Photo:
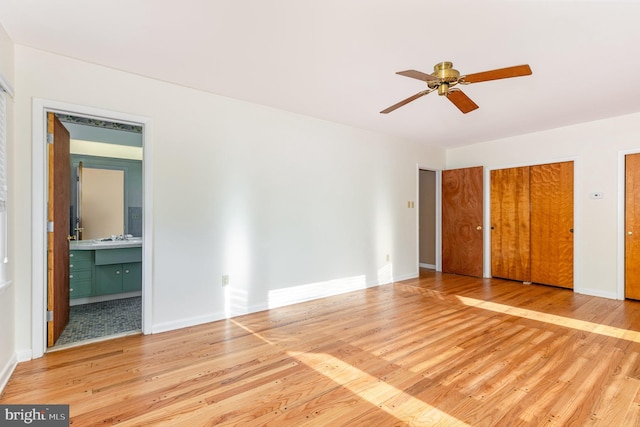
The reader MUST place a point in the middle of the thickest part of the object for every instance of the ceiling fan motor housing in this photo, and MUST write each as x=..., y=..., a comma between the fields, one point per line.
x=446, y=75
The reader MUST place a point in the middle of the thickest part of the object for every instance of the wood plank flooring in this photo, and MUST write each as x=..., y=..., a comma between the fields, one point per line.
x=438, y=350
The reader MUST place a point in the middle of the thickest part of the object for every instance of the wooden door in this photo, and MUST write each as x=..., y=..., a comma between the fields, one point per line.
x=462, y=242
x=58, y=229
x=632, y=227
x=510, y=224
x=552, y=224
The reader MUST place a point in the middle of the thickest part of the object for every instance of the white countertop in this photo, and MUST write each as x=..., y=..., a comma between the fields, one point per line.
x=91, y=245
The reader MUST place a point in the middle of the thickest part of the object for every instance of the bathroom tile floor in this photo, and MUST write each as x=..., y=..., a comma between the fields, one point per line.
x=101, y=319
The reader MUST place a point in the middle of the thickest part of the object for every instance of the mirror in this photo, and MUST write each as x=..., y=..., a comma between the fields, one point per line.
x=100, y=203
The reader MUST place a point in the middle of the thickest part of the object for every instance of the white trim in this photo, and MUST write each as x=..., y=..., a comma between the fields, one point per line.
x=5, y=285
x=5, y=86
x=596, y=293
x=24, y=355
x=486, y=223
x=429, y=266
x=7, y=370
x=185, y=323
x=39, y=213
x=438, y=219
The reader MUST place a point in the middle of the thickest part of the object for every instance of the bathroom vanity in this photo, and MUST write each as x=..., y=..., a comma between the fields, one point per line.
x=100, y=268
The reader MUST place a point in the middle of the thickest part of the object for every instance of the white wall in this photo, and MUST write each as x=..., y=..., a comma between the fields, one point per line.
x=7, y=341
x=273, y=199
x=596, y=148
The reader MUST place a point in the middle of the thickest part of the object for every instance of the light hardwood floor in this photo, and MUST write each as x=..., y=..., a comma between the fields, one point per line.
x=438, y=350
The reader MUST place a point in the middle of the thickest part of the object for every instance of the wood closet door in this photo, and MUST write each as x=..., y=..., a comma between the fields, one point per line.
x=632, y=227
x=510, y=224
x=552, y=224
x=462, y=240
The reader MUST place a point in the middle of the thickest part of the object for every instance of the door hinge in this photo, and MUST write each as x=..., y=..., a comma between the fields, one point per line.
x=49, y=226
x=49, y=138
x=49, y=316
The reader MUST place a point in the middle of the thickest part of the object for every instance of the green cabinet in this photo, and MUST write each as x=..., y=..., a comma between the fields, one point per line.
x=105, y=271
x=80, y=274
x=115, y=278
x=132, y=277
x=118, y=270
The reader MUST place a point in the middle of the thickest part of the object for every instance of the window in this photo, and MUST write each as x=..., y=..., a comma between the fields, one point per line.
x=4, y=256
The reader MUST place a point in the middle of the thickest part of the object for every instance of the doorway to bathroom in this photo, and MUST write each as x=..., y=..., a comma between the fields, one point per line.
x=429, y=219
x=95, y=229
x=105, y=233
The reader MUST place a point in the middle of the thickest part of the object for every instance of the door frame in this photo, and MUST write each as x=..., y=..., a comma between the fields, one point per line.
x=438, y=202
x=39, y=183
x=622, y=188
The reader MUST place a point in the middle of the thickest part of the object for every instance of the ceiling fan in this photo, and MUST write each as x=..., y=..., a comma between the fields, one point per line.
x=445, y=77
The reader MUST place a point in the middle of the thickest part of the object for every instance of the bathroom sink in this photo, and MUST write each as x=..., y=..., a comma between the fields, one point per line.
x=105, y=243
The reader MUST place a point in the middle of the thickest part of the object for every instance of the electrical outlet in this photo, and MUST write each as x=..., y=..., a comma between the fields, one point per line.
x=225, y=280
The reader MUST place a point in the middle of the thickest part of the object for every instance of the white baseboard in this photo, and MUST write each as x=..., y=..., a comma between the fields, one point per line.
x=430, y=266
x=6, y=372
x=406, y=277
x=185, y=323
x=283, y=297
x=596, y=293
x=24, y=355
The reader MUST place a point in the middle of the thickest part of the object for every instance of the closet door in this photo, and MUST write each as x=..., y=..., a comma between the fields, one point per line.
x=632, y=227
x=552, y=224
x=510, y=224
x=462, y=210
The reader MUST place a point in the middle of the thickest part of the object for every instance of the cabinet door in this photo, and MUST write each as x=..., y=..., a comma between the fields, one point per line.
x=510, y=224
x=108, y=279
x=132, y=276
x=79, y=288
x=552, y=224
x=80, y=284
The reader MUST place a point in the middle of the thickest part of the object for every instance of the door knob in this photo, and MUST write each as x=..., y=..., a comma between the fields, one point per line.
x=479, y=227
x=629, y=233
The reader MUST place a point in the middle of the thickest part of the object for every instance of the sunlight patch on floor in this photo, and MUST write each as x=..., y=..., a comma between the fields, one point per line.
x=372, y=389
x=581, y=325
x=409, y=409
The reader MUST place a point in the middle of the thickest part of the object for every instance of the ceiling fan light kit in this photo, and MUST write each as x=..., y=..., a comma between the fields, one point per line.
x=445, y=77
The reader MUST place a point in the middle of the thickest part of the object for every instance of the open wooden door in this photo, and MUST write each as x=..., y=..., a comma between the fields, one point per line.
x=58, y=229
x=552, y=224
x=632, y=227
x=462, y=213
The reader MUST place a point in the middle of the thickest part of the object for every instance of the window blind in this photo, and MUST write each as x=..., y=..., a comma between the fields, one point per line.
x=3, y=187
x=3, y=152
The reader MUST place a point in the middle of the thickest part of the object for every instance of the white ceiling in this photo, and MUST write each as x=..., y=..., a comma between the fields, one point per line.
x=336, y=59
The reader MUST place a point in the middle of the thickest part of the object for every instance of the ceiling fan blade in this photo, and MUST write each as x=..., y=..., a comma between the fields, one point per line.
x=501, y=73
x=405, y=101
x=417, y=75
x=462, y=101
